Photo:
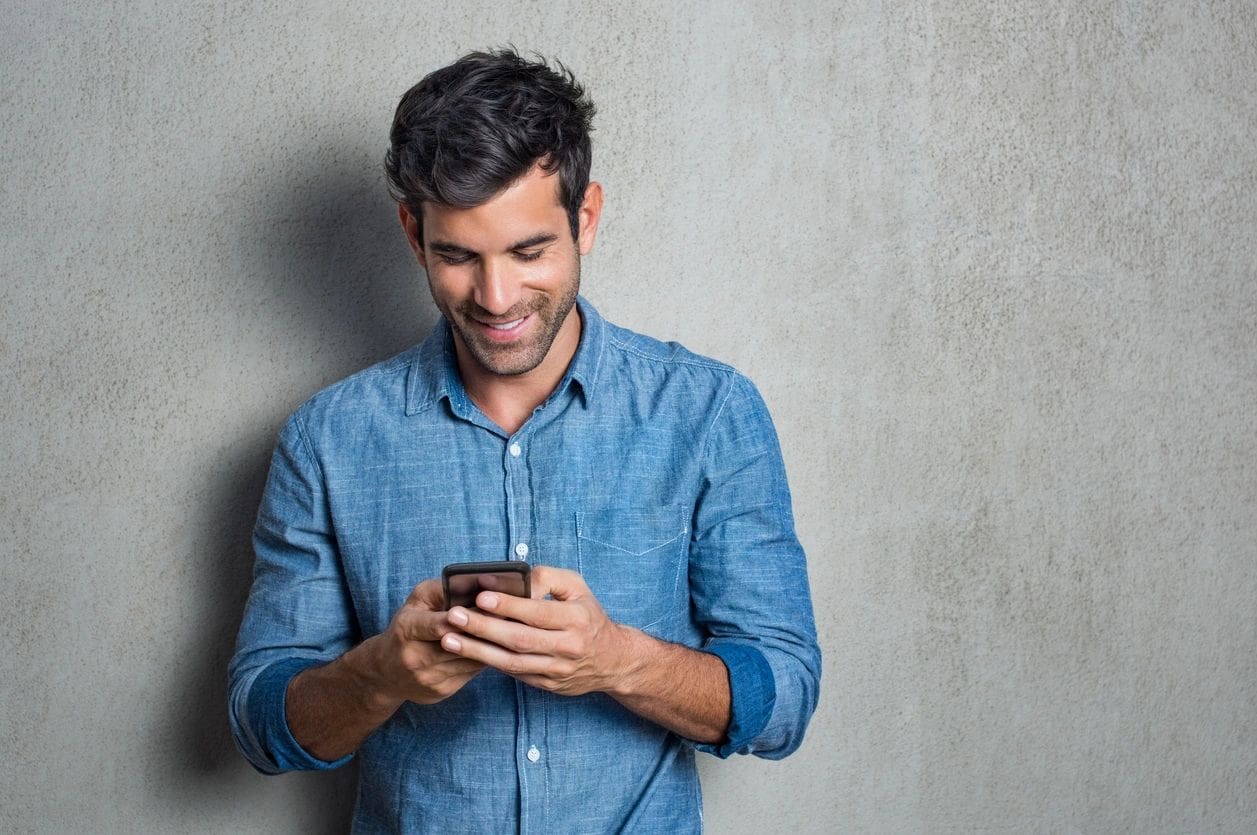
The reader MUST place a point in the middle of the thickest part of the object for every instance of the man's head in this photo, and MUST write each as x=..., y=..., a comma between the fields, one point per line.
x=468, y=130
x=490, y=166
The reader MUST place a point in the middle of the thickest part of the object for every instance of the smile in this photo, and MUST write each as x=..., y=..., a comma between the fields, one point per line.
x=505, y=332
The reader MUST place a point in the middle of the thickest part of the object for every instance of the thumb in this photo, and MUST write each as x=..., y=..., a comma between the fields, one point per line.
x=558, y=583
x=428, y=596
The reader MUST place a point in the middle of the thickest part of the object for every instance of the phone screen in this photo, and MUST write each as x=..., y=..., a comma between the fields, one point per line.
x=463, y=581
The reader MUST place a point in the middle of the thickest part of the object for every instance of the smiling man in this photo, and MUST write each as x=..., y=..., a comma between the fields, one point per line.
x=505, y=274
x=642, y=483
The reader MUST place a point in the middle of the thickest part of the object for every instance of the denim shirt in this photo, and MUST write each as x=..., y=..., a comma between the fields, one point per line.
x=652, y=471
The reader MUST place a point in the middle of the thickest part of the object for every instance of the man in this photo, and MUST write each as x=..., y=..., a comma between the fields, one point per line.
x=670, y=608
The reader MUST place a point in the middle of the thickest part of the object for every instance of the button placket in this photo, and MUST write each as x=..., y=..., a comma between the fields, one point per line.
x=520, y=499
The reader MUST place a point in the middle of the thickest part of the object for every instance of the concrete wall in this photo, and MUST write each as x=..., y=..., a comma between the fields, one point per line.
x=991, y=263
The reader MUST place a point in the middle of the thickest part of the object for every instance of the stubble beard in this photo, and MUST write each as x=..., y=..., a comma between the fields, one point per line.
x=513, y=360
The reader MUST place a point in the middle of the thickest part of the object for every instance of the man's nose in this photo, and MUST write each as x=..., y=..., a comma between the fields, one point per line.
x=497, y=288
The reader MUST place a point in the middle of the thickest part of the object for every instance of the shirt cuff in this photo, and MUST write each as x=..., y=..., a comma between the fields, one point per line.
x=752, y=694
x=267, y=699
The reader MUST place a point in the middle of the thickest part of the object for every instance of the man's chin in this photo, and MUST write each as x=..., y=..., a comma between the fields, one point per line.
x=503, y=361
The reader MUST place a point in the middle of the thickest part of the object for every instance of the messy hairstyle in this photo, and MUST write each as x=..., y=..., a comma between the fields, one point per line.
x=469, y=130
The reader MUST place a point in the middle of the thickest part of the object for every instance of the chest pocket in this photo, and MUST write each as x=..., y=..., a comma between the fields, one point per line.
x=633, y=559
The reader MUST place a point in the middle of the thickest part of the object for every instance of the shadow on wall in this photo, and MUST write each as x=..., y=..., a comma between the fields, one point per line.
x=341, y=291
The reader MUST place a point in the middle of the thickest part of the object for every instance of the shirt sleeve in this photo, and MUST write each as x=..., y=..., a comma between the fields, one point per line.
x=748, y=582
x=298, y=613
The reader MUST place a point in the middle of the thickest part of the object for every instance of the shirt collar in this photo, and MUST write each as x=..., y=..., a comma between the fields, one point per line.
x=434, y=369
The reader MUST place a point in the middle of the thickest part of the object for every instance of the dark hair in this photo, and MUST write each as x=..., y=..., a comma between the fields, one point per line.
x=469, y=130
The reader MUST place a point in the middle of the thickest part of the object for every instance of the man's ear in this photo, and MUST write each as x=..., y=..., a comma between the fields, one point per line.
x=410, y=225
x=589, y=214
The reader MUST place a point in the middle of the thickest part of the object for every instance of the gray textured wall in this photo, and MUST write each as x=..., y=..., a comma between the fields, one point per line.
x=991, y=263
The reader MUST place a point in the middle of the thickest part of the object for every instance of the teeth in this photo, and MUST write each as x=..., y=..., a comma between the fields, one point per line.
x=505, y=326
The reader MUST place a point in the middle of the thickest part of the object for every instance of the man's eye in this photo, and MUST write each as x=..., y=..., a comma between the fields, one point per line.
x=455, y=260
x=529, y=256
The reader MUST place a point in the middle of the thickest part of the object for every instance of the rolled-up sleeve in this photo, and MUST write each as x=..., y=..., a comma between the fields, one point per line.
x=748, y=581
x=298, y=613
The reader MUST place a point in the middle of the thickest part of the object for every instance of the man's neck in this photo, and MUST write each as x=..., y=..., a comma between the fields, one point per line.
x=510, y=400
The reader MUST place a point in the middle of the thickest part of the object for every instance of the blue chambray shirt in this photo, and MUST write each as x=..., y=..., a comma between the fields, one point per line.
x=652, y=471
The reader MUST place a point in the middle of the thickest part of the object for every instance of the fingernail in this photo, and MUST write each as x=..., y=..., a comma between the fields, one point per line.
x=458, y=617
x=487, y=601
x=451, y=643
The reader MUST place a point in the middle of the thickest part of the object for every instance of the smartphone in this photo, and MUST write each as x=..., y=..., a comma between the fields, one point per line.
x=462, y=581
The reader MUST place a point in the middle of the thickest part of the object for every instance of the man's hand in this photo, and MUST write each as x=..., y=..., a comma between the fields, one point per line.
x=405, y=662
x=333, y=708
x=568, y=645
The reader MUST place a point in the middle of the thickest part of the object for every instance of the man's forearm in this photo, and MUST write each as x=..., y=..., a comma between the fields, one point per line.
x=332, y=709
x=682, y=689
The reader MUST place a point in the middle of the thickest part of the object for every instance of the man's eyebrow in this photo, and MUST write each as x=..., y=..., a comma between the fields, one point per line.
x=449, y=248
x=535, y=240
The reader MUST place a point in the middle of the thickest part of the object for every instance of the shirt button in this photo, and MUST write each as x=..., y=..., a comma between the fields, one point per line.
x=515, y=450
x=533, y=754
x=521, y=550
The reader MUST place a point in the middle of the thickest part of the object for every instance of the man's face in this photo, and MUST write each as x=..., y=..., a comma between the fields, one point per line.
x=506, y=274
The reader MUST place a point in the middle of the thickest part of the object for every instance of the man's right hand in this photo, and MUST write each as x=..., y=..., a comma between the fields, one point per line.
x=405, y=662
x=331, y=709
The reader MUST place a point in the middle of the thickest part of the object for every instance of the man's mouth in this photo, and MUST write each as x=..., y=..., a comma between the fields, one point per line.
x=504, y=331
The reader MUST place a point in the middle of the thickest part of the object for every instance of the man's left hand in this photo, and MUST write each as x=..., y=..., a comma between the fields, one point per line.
x=565, y=645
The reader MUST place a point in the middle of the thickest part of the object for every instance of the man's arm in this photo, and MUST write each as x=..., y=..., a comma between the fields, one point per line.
x=568, y=645
x=748, y=580
x=304, y=689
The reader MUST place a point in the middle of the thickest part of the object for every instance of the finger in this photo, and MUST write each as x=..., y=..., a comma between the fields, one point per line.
x=517, y=637
x=541, y=614
x=424, y=657
x=544, y=682
x=497, y=657
x=436, y=683
x=420, y=625
x=559, y=583
x=456, y=665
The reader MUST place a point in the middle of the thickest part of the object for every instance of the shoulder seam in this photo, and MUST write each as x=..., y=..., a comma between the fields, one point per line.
x=309, y=448
x=714, y=365
x=711, y=427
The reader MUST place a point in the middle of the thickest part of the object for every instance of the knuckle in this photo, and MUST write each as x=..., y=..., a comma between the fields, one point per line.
x=528, y=642
x=411, y=656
